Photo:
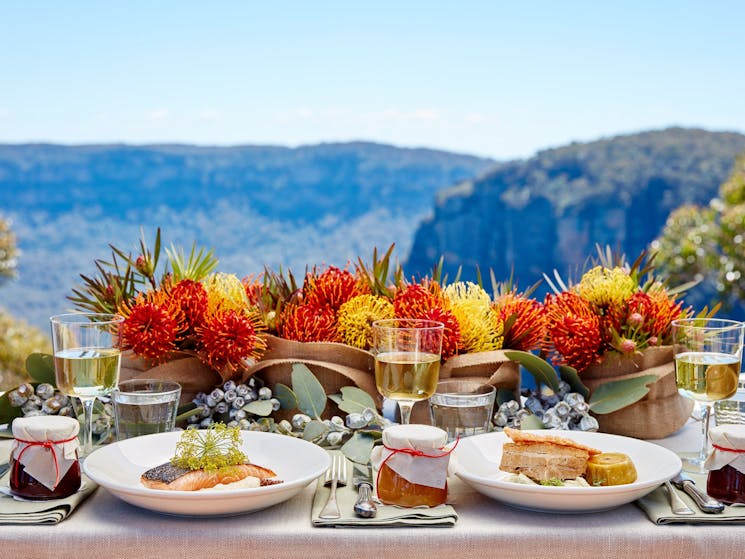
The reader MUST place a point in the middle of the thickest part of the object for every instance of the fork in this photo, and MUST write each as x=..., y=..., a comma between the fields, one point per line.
x=336, y=475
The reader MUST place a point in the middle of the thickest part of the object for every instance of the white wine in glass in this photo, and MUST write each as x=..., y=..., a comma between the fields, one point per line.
x=407, y=360
x=87, y=360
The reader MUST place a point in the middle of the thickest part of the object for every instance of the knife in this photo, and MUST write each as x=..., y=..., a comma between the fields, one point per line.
x=362, y=480
x=705, y=502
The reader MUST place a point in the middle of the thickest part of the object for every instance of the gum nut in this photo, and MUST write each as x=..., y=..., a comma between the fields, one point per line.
x=589, y=423
x=51, y=406
x=238, y=403
x=551, y=412
x=206, y=422
x=62, y=398
x=522, y=413
x=221, y=407
x=369, y=415
x=217, y=395
x=533, y=404
x=232, y=424
x=16, y=399
x=36, y=400
x=564, y=387
x=552, y=400
x=500, y=419
x=338, y=421
x=66, y=411
x=582, y=408
x=28, y=406
x=511, y=407
x=356, y=421
x=240, y=414
x=252, y=382
x=245, y=424
x=33, y=413
x=265, y=393
x=230, y=396
x=552, y=422
x=190, y=419
x=205, y=411
x=242, y=390
x=563, y=409
x=538, y=414
x=300, y=420
x=231, y=413
x=276, y=404
x=229, y=386
x=25, y=390
x=211, y=402
x=574, y=398
x=45, y=390
x=334, y=438
x=285, y=426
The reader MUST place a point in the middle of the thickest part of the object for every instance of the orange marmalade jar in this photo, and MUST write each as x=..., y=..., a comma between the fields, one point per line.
x=413, y=466
x=44, y=457
x=726, y=464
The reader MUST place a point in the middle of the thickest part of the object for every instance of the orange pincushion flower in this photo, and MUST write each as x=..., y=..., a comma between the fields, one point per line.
x=414, y=299
x=528, y=326
x=574, y=330
x=309, y=323
x=191, y=297
x=332, y=288
x=451, y=337
x=664, y=310
x=150, y=330
x=228, y=337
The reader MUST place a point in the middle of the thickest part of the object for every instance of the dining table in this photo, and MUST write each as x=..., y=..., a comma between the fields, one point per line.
x=104, y=526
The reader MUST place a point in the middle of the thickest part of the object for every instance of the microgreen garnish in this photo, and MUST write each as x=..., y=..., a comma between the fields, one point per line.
x=554, y=481
x=209, y=449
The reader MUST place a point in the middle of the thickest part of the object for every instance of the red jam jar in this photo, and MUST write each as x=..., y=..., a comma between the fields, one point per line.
x=726, y=464
x=412, y=466
x=44, y=457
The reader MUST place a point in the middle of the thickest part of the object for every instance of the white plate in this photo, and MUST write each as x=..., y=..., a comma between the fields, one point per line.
x=118, y=467
x=477, y=461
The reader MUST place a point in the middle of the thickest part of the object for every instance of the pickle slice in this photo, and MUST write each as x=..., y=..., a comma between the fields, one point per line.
x=610, y=468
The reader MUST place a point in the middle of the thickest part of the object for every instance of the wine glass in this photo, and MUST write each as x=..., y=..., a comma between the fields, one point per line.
x=708, y=355
x=407, y=360
x=86, y=360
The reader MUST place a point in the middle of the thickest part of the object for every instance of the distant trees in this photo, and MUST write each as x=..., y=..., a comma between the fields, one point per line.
x=708, y=244
x=17, y=338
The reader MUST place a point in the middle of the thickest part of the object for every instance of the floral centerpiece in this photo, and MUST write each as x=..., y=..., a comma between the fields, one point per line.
x=611, y=334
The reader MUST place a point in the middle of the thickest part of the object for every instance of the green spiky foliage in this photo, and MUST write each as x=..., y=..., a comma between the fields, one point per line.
x=379, y=276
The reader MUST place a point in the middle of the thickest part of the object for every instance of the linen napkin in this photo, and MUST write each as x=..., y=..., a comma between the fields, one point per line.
x=53, y=511
x=656, y=505
x=388, y=515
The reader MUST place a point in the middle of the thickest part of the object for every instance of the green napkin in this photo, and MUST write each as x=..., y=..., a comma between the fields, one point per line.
x=388, y=515
x=657, y=507
x=54, y=511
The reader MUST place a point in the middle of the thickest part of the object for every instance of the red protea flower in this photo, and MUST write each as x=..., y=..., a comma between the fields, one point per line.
x=574, y=331
x=664, y=309
x=640, y=311
x=191, y=297
x=308, y=323
x=254, y=289
x=332, y=288
x=451, y=333
x=229, y=337
x=414, y=299
x=528, y=321
x=150, y=330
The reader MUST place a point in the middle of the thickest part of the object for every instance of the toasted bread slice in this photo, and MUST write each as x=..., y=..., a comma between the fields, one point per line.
x=525, y=437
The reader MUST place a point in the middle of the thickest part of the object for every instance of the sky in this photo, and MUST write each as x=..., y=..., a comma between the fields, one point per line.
x=493, y=78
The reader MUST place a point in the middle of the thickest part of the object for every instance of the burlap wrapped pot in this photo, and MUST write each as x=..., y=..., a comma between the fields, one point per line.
x=660, y=413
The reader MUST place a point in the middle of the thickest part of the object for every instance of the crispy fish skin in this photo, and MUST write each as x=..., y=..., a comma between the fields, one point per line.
x=167, y=476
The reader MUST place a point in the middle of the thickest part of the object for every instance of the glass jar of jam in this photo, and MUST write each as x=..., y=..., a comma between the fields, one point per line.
x=726, y=464
x=413, y=466
x=44, y=457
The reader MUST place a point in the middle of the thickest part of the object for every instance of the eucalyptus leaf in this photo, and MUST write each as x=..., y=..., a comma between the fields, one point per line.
x=571, y=377
x=285, y=395
x=359, y=448
x=311, y=397
x=615, y=395
x=531, y=422
x=7, y=412
x=355, y=400
x=541, y=370
x=336, y=398
x=314, y=430
x=40, y=367
x=262, y=408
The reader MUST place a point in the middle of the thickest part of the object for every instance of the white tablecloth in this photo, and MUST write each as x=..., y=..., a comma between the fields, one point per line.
x=107, y=527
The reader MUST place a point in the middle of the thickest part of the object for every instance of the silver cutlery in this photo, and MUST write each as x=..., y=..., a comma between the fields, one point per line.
x=336, y=476
x=362, y=480
x=676, y=503
x=705, y=502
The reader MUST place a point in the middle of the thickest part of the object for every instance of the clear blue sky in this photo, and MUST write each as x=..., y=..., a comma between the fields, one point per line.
x=501, y=79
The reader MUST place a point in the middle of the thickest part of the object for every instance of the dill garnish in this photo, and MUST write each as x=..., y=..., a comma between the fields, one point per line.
x=209, y=449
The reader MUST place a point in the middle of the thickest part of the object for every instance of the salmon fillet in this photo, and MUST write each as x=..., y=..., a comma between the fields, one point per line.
x=168, y=476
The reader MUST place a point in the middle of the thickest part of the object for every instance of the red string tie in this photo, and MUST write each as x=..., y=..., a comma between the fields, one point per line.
x=49, y=445
x=726, y=449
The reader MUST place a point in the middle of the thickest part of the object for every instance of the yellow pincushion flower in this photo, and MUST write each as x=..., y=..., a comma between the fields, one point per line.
x=480, y=328
x=356, y=316
x=606, y=287
x=225, y=291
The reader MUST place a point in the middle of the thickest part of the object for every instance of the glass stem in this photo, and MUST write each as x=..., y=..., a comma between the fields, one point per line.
x=87, y=425
x=404, y=407
x=705, y=416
